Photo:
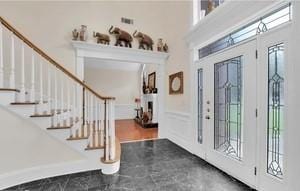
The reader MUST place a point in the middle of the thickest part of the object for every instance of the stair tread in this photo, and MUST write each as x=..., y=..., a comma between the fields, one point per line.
x=24, y=103
x=59, y=127
x=9, y=89
x=94, y=148
x=76, y=138
x=42, y=115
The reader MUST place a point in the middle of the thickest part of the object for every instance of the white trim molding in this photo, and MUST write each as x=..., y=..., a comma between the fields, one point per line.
x=179, y=129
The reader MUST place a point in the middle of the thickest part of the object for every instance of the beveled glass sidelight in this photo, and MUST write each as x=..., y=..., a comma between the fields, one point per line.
x=200, y=106
x=228, y=107
x=275, y=118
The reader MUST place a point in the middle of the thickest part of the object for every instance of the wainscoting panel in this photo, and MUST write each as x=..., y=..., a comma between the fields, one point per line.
x=178, y=128
x=125, y=111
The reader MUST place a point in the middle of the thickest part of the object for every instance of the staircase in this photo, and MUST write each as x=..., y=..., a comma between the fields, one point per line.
x=40, y=90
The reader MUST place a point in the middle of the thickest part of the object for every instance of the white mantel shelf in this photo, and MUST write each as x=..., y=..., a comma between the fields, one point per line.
x=111, y=52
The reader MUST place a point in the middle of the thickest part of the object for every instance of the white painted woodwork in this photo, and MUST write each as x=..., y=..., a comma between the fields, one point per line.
x=55, y=101
x=106, y=131
x=21, y=97
x=62, y=113
x=112, y=137
x=32, y=86
x=68, y=116
x=151, y=98
x=41, y=80
x=12, y=83
x=1, y=58
x=86, y=114
x=49, y=88
x=101, y=121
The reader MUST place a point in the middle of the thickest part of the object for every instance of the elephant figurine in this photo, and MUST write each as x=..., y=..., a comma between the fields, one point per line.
x=121, y=36
x=143, y=40
x=101, y=38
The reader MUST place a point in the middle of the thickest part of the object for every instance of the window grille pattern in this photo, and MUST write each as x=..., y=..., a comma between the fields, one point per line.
x=200, y=106
x=275, y=110
x=228, y=107
x=276, y=18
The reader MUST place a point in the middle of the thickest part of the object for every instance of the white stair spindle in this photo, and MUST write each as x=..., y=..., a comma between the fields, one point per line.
x=32, y=87
x=12, y=83
x=86, y=115
x=62, y=100
x=49, y=89
x=96, y=123
x=74, y=113
x=1, y=58
x=22, y=84
x=55, y=102
x=41, y=100
x=112, y=130
x=68, y=120
x=106, y=131
x=101, y=114
x=91, y=114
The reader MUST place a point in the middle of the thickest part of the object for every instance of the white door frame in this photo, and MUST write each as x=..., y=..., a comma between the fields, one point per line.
x=130, y=55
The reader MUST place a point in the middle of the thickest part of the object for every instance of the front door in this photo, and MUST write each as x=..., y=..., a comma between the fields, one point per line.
x=227, y=110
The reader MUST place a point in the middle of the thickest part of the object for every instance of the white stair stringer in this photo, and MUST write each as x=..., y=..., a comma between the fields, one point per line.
x=92, y=157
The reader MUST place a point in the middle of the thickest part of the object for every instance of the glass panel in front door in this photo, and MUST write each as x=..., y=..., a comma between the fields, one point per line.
x=228, y=107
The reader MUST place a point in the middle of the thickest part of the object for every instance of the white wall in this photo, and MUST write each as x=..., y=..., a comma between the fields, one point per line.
x=49, y=25
x=123, y=85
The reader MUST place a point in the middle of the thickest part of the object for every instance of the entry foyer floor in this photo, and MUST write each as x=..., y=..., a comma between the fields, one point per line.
x=158, y=165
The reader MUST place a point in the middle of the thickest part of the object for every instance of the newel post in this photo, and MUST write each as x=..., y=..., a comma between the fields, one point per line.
x=112, y=136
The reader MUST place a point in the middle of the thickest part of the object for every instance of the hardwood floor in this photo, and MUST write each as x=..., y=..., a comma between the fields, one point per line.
x=127, y=130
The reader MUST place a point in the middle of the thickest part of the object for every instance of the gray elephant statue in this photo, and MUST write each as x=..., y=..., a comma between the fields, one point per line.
x=101, y=38
x=121, y=36
x=144, y=40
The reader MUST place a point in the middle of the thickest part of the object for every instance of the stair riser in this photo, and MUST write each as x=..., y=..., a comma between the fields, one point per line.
x=6, y=98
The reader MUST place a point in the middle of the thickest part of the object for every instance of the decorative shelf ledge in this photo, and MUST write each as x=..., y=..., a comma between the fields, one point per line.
x=110, y=52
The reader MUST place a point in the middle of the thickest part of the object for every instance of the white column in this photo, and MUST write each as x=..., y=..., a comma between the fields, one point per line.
x=12, y=83
x=49, y=89
x=112, y=129
x=1, y=58
x=32, y=87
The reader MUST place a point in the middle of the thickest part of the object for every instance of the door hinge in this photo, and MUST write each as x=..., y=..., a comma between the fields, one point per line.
x=256, y=113
x=255, y=171
x=256, y=54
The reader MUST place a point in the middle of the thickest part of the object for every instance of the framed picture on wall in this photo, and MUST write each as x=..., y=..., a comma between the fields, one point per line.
x=176, y=83
x=151, y=80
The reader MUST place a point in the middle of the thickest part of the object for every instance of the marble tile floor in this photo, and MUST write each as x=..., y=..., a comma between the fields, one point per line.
x=158, y=165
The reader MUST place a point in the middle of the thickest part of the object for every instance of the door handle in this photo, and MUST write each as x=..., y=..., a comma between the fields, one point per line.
x=207, y=117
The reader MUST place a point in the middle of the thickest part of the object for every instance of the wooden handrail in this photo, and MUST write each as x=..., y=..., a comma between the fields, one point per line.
x=52, y=61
